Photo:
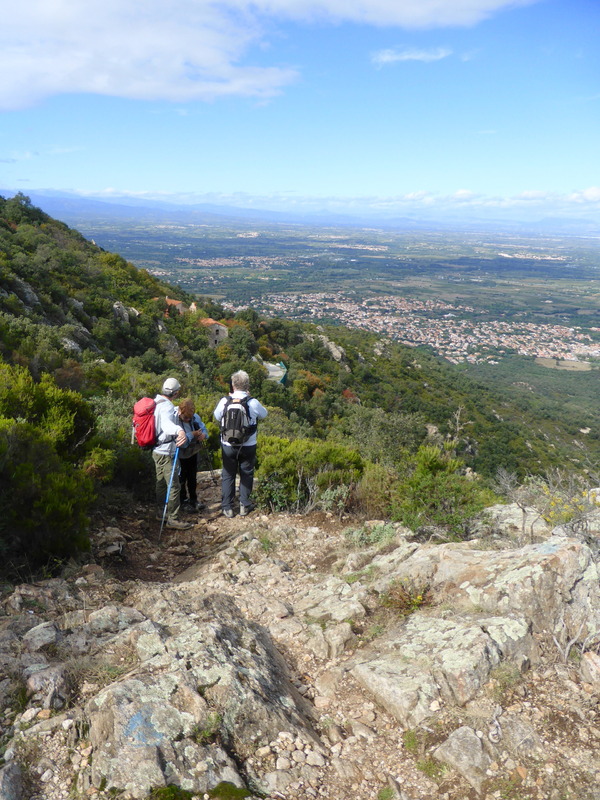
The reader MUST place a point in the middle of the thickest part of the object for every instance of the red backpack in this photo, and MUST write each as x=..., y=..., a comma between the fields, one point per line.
x=144, y=426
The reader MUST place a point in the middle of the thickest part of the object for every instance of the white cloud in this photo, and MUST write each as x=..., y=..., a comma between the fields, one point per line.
x=182, y=51
x=590, y=195
x=384, y=57
x=403, y=13
x=464, y=195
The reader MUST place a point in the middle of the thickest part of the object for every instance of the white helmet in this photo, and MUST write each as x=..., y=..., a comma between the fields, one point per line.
x=170, y=386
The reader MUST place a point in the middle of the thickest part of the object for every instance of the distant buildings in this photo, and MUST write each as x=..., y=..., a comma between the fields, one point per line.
x=452, y=331
x=217, y=332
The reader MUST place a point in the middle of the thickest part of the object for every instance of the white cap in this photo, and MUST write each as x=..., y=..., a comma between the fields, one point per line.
x=170, y=386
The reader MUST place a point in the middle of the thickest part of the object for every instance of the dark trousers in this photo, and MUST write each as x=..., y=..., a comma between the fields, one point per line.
x=237, y=460
x=188, y=468
x=164, y=473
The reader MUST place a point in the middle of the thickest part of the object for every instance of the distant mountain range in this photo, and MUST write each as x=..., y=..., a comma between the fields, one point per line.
x=77, y=211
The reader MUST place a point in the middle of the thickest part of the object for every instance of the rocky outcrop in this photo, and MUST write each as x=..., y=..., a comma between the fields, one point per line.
x=259, y=668
x=427, y=659
x=335, y=350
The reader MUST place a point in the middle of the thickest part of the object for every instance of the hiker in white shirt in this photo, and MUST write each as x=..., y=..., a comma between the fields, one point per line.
x=240, y=458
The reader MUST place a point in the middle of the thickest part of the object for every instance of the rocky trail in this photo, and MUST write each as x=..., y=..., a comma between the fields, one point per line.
x=294, y=657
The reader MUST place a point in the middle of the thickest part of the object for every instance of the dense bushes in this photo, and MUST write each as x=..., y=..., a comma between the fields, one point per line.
x=44, y=499
x=431, y=490
x=295, y=475
x=44, y=492
x=438, y=494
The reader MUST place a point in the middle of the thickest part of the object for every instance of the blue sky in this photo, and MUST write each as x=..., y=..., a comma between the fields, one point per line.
x=403, y=106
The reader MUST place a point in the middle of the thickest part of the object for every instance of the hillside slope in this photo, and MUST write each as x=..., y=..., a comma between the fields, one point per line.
x=83, y=334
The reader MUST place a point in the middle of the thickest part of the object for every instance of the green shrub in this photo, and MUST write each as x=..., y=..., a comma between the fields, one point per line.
x=62, y=416
x=208, y=731
x=336, y=499
x=99, y=464
x=113, y=457
x=432, y=769
x=406, y=596
x=44, y=499
x=294, y=475
x=368, y=535
x=437, y=494
x=376, y=489
x=228, y=791
x=384, y=437
x=170, y=792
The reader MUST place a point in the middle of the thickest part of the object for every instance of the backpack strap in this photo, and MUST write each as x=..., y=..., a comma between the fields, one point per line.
x=253, y=426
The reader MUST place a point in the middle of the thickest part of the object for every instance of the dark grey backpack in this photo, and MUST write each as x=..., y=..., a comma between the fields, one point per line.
x=236, y=425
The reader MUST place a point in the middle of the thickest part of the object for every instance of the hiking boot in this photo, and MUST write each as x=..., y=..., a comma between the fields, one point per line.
x=177, y=524
x=245, y=510
x=227, y=512
x=200, y=506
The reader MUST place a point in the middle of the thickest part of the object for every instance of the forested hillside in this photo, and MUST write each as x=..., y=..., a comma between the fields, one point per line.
x=361, y=423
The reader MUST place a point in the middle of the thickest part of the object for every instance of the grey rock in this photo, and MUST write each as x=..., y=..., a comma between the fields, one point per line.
x=406, y=694
x=200, y=654
x=333, y=600
x=120, y=311
x=315, y=759
x=554, y=584
x=113, y=618
x=464, y=752
x=48, y=686
x=11, y=782
x=589, y=669
x=425, y=658
x=25, y=292
x=512, y=520
x=360, y=730
x=70, y=345
x=41, y=636
x=347, y=770
x=519, y=738
x=327, y=682
x=276, y=781
x=6, y=690
x=337, y=637
x=316, y=642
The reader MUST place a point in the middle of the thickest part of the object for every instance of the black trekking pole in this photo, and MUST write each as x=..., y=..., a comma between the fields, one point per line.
x=168, y=494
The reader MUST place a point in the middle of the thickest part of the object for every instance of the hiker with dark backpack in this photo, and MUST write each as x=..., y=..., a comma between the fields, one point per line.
x=170, y=437
x=238, y=416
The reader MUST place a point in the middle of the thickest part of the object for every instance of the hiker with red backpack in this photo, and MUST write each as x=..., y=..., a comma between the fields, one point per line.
x=170, y=436
x=238, y=415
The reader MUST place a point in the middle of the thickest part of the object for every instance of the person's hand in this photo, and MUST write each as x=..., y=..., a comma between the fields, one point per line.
x=199, y=436
x=181, y=438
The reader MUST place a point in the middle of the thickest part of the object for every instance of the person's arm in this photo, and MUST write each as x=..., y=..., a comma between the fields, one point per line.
x=257, y=409
x=202, y=427
x=169, y=430
x=218, y=412
x=189, y=435
x=201, y=433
